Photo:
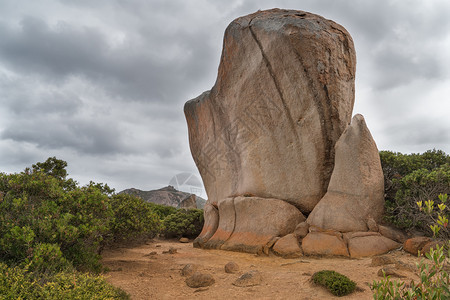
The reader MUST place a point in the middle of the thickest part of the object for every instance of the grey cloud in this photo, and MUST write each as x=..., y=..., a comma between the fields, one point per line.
x=128, y=71
x=85, y=136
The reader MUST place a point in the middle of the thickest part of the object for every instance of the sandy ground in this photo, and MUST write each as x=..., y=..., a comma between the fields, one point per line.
x=158, y=276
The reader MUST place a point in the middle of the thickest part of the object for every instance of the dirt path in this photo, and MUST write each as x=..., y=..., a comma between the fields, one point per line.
x=158, y=276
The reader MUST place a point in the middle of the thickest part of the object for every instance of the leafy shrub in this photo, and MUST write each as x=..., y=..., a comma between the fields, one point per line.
x=19, y=283
x=336, y=283
x=162, y=210
x=187, y=223
x=37, y=208
x=410, y=178
x=132, y=219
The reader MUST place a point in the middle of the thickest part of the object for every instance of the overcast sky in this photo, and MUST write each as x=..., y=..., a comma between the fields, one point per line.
x=101, y=84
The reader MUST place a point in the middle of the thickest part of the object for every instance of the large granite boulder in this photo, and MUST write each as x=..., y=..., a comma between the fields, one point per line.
x=283, y=96
x=274, y=141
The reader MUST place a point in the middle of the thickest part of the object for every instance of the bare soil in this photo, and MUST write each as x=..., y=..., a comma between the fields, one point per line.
x=158, y=276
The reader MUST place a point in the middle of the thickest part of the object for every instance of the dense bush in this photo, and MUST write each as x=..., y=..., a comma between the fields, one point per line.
x=18, y=283
x=162, y=210
x=410, y=178
x=187, y=223
x=132, y=219
x=336, y=283
x=38, y=209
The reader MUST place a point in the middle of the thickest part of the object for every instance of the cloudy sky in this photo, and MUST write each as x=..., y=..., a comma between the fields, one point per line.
x=102, y=84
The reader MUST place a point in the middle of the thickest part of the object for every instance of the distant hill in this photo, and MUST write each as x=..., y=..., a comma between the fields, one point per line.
x=168, y=196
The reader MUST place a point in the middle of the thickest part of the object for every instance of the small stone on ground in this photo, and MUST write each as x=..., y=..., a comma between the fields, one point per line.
x=250, y=278
x=198, y=280
x=231, y=267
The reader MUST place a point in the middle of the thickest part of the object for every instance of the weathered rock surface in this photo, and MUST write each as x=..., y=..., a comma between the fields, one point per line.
x=318, y=243
x=415, y=244
x=370, y=245
x=356, y=190
x=211, y=216
x=283, y=96
x=288, y=247
x=249, y=223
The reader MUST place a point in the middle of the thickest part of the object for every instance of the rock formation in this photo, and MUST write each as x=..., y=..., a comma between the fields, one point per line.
x=274, y=140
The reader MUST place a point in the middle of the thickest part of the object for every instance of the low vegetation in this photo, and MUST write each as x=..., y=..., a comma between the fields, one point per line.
x=336, y=283
x=52, y=232
x=413, y=178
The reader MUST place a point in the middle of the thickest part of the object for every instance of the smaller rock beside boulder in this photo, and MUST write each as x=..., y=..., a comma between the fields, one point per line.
x=200, y=280
x=183, y=240
x=415, y=244
x=231, y=267
x=288, y=247
x=370, y=245
x=250, y=278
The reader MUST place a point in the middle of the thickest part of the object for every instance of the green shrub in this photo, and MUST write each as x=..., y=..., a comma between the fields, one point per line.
x=410, y=178
x=187, y=223
x=132, y=219
x=162, y=210
x=336, y=283
x=19, y=283
x=37, y=208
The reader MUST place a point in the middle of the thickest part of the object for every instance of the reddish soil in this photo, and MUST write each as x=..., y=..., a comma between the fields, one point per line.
x=158, y=276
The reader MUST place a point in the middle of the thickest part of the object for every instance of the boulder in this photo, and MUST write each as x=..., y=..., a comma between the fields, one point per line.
x=183, y=240
x=391, y=233
x=288, y=247
x=283, y=96
x=319, y=243
x=231, y=267
x=415, y=244
x=247, y=279
x=370, y=245
x=200, y=280
x=257, y=222
x=274, y=140
x=356, y=190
